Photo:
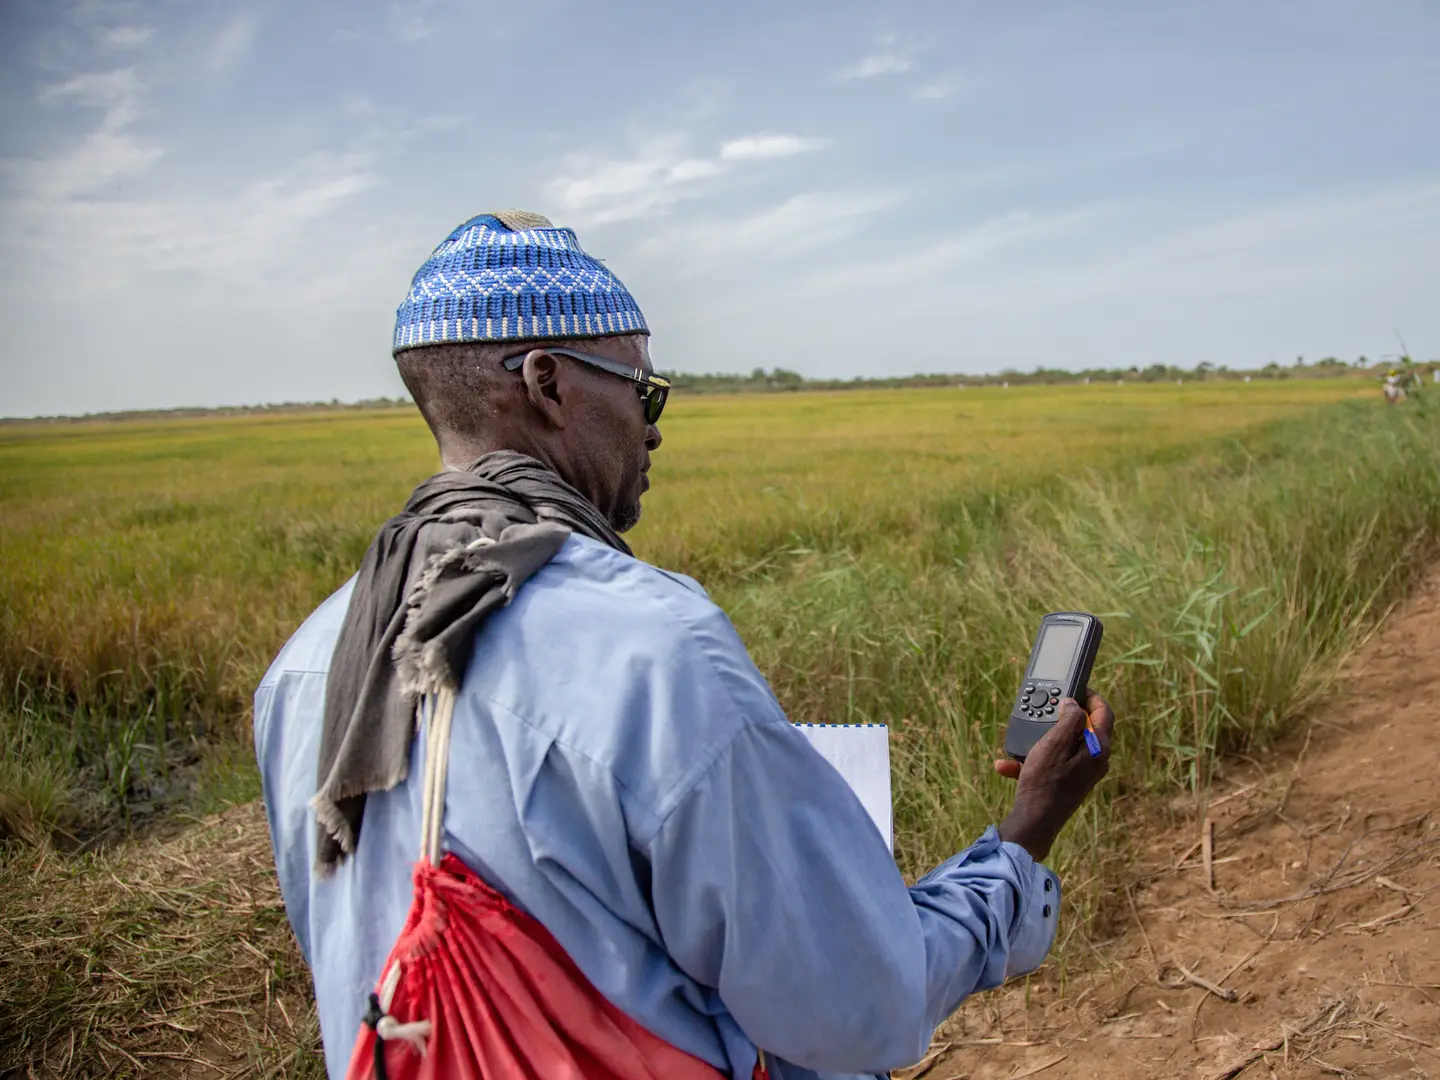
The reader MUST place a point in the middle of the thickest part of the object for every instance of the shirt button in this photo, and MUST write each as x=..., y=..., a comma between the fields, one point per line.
x=1046, y=912
x=1049, y=884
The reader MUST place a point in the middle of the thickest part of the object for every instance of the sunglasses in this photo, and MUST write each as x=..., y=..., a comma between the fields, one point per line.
x=653, y=389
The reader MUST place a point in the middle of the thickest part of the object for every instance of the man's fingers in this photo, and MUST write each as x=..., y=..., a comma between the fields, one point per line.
x=1061, y=741
x=1070, y=721
x=1008, y=767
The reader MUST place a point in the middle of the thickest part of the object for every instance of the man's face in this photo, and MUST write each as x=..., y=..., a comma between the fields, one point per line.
x=611, y=442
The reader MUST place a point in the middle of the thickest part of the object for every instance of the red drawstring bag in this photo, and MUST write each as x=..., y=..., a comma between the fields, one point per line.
x=476, y=989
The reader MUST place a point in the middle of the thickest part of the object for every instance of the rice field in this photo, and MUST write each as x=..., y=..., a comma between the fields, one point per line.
x=886, y=556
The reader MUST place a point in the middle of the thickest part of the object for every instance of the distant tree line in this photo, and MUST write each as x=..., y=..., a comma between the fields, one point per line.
x=188, y=411
x=782, y=379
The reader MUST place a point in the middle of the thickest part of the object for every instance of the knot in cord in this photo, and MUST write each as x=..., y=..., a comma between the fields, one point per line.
x=373, y=1016
x=386, y=1028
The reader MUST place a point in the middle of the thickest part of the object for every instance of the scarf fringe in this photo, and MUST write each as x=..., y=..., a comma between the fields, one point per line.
x=421, y=666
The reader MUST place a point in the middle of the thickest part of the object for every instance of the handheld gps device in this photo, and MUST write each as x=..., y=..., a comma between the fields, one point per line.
x=1060, y=663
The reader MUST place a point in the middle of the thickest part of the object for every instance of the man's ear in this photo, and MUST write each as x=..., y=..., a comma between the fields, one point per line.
x=544, y=385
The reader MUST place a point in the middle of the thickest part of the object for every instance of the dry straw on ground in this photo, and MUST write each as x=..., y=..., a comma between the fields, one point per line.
x=163, y=958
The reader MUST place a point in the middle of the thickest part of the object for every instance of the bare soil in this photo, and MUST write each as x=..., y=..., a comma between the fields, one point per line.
x=1310, y=944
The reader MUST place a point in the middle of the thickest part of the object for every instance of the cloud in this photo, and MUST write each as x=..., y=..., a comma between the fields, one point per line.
x=109, y=153
x=657, y=176
x=1023, y=277
x=72, y=199
x=760, y=147
x=101, y=158
x=660, y=174
x=970, y=247
x=125, y=37
x=410, y=19
x=939, y=89
x=232, y=45
x=887, y=59
x=163, y=264
x=249, y=240
x=111, y=90
x=1285, y=245
x=438, y=122
x=796, y=225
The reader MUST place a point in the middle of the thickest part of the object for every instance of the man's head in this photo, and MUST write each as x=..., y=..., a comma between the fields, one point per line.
x=511, y=287
x=587, y=424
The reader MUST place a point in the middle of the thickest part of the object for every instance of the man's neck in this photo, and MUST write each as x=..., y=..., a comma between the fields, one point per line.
x=457, y=455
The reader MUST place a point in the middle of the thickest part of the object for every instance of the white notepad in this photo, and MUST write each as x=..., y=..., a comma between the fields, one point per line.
x=860, y=753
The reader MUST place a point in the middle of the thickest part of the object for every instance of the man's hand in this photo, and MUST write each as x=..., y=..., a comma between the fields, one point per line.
x=1056, y=775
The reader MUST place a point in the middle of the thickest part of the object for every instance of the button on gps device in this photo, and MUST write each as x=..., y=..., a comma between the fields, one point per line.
x=1060, y=663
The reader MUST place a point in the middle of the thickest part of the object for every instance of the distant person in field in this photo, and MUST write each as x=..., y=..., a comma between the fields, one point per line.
x=617, y=769
x=1394, y=391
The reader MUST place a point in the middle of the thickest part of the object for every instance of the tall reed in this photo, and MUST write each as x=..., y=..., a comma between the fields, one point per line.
x=1231, y=584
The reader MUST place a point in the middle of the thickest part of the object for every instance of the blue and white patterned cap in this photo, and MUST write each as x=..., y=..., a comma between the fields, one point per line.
x=510, y=276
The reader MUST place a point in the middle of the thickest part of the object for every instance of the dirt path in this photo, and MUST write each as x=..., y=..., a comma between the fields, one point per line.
x=1320, y=938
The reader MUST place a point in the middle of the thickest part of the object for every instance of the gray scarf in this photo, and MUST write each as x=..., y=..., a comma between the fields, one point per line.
x=463, y=545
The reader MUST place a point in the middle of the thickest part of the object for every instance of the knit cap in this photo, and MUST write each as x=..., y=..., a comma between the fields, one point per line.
x=509, y=276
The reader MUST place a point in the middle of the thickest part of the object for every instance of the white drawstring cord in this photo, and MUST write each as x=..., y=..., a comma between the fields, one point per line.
x=438, y=712
x=434, y=712
x=386, y=992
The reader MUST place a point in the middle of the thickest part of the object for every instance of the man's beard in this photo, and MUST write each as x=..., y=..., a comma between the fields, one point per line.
x=626, y=516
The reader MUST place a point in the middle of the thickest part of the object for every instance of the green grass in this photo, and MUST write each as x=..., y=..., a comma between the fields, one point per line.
x=1232, y=578
x=885, y=555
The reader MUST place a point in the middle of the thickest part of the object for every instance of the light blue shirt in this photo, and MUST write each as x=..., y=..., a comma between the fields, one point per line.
x=621, y=771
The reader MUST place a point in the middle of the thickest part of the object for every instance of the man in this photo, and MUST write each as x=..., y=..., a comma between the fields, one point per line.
x=1393, y=388
x=619, y=770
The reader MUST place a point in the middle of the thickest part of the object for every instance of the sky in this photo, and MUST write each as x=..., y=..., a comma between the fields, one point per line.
x=211, y=204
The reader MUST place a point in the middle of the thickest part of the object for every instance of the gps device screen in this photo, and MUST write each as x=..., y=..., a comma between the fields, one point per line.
x=1057, y=648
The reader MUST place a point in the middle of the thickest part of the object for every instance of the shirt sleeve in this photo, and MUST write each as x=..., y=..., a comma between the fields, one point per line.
x=772, y=884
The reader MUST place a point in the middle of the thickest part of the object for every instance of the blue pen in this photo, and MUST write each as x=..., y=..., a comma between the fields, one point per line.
x=1092, y=741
